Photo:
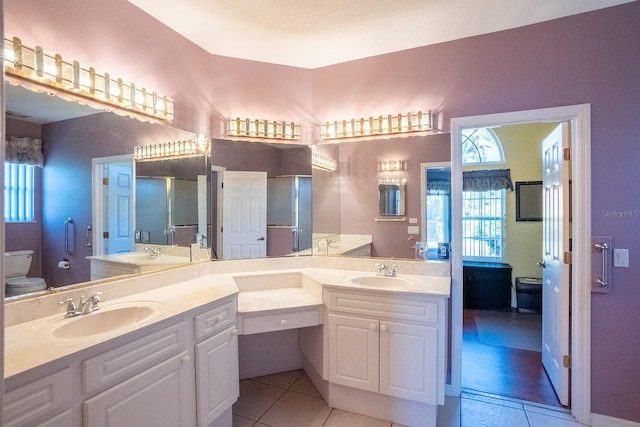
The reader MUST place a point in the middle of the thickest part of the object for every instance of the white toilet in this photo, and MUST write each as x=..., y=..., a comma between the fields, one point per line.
x=16, y=266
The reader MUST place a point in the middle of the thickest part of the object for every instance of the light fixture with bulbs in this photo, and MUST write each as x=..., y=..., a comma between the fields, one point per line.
x=322, y=162
x=391, y=124
x=174, y=149
x=392, y=165
x=44, y=72
x=262, y=129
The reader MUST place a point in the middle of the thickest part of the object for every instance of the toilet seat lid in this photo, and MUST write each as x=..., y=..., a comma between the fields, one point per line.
x=25, y=282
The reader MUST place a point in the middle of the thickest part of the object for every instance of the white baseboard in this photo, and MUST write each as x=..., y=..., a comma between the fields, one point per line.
x=598, y=420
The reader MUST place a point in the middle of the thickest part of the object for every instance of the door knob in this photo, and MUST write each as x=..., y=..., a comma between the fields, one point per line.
x=261, y=238
x=541, y=264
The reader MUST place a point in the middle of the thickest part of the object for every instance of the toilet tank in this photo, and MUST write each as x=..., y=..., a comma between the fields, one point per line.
x=17, y=263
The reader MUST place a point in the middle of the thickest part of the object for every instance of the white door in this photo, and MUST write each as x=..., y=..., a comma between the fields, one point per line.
x=555, y=273
x=244, y=214
x=120, y=205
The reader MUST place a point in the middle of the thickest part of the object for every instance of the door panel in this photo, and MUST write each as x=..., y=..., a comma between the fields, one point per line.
x=120, y=209
x=244, y=216
x=555, y=274
x=353, y=352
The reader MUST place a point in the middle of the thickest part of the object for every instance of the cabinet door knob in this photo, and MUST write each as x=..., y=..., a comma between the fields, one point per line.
x=373, y=326
x=185, y=359
x=383, y=328
x=234, y=332
x=220, y=319
x=283, y=323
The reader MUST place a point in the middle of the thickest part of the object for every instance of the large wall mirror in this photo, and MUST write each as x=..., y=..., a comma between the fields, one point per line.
x=74, y=135
x=350, y=218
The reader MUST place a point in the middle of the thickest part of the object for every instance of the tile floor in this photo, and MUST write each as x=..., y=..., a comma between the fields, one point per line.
x=290, y=400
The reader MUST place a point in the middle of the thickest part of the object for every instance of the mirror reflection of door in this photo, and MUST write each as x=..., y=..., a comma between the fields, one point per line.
x=437, y=211
x=244, y=216
x=120, y=205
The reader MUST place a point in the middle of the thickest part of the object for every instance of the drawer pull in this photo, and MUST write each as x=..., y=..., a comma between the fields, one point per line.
x=283, y=322
x=234, y=332
x=220, y=319
x=373, y=326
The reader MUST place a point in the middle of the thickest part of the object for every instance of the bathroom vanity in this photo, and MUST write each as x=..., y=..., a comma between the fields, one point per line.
x=172, y=357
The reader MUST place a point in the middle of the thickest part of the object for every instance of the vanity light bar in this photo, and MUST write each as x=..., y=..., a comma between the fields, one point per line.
x=392, y=181
x=35, y=69
x=375, y=126
x=392, y=166
x=319, y=161
x=262, y=129
x=173, y=149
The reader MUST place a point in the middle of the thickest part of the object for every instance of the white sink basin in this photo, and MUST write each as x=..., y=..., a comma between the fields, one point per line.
x=106, y=319
x=381, y=281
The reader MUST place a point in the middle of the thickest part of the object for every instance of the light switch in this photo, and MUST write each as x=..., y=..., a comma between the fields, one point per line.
x=413, y=220
x=621, y=257
x=413, y=229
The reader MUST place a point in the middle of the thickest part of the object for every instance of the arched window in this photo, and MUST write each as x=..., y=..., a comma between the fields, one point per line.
x=483, y=211
x=481, y=145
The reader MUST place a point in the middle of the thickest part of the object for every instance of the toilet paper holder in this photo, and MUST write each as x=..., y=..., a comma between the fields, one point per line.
x=64, y=264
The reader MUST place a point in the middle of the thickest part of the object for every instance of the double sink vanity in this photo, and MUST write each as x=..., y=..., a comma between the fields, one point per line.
x=162, y=349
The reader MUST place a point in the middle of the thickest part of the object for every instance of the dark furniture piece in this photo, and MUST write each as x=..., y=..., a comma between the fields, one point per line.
x=486, y=285
x=529, y=294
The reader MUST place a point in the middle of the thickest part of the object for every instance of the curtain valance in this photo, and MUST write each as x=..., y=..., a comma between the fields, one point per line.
x=24, y=150
x=487, y=180
x=438, y=187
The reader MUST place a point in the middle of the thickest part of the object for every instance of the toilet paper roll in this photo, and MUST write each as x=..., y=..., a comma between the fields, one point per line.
x=63, y=265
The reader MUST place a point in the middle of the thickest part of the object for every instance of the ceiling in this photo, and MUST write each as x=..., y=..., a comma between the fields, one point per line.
x=317, y=33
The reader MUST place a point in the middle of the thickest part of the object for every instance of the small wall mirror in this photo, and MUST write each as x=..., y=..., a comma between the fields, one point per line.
x=391, y=196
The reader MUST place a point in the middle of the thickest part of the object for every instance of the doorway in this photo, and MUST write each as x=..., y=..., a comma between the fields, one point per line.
x=579, y=118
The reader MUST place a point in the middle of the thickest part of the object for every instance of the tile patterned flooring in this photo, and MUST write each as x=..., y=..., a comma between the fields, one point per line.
x=289, y=399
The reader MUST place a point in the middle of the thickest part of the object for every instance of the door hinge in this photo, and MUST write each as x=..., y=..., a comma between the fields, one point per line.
x=221, y=229
x=566, y=154
x=105, y=234
x=105, y=181
x=566, y=361
x=568, y=258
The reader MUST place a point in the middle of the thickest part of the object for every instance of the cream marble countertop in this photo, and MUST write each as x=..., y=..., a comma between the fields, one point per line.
x=31, y=343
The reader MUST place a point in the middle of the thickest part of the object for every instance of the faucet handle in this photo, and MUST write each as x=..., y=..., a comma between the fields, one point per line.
x=95, y=297
x=380, y=268
x=393, y=272
x=72, y=308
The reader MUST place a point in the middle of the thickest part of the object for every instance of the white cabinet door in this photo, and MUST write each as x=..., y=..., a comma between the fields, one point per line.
x=409, y=361
x=353, y=352
x=161, y=396
x=217, y=377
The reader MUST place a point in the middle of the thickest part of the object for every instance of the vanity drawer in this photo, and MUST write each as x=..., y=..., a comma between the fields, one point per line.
x=36, y=400
x=257, y=323
x=121, y=363
x=412, y=309
x=215, y=320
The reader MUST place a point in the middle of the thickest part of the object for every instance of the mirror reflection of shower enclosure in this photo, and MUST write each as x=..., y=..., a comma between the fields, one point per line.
x=391, y=196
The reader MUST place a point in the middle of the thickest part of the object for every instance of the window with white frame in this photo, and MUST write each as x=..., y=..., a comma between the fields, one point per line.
x=483, y=204
x=18, y=192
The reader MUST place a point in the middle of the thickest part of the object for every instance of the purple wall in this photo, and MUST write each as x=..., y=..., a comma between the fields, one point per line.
x=589, y=58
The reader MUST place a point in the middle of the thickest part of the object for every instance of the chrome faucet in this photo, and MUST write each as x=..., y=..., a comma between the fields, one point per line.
x=84, y=307
x=155, y=253
x=385, y=270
